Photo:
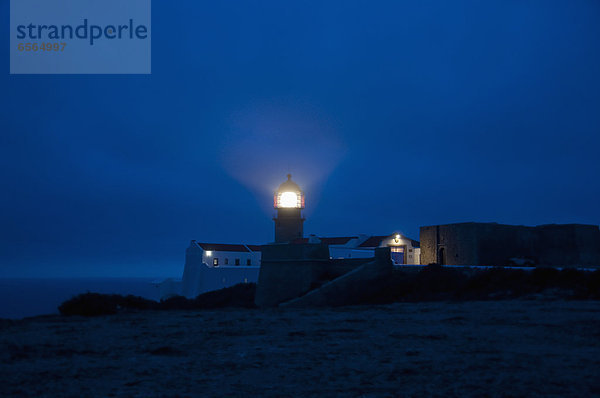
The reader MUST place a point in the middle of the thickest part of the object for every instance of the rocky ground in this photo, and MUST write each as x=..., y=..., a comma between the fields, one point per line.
x=497, y=348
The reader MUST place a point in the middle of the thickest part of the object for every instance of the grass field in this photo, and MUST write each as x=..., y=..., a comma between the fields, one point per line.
x=483, y=348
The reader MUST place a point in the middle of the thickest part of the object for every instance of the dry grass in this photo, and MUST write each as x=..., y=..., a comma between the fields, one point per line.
x=494, y=348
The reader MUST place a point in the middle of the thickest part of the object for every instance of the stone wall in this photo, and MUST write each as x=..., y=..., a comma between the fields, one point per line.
x=458, y=241
x=499, y=245
x=351, y=287
x=289, y=225
x=290, y=271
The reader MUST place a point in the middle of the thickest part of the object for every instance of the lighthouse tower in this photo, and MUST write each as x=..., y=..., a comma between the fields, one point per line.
x=289, y=202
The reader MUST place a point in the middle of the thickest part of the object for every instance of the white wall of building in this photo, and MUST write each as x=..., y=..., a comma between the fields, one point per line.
x=229, y=258
x=352, y=249
x=349, y=252
x=200, y=276
x=412, y=255
x=210, y=278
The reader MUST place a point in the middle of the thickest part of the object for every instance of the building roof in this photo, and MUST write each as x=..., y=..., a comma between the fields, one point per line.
x=337, y=240
x=473, y=223
x=289, y=186
x=222, y=247
x=372, y=242
x=375, y=241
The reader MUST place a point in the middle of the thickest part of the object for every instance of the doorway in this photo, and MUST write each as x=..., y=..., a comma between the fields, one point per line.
x=442, y=256
x=398, y=255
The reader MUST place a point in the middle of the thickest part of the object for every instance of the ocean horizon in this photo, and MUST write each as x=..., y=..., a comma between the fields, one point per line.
x=26, y=297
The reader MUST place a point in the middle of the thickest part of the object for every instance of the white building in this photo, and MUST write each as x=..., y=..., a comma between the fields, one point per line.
x=213, y=266
x=404, y=251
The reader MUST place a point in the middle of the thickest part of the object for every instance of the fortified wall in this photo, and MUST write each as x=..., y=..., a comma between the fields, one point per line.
x=495, y=244
x=304, y=275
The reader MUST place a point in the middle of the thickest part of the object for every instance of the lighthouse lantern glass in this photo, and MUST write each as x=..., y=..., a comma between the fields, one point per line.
x=288, y=199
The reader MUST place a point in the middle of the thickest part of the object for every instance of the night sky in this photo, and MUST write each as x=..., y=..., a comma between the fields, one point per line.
x=390, y=115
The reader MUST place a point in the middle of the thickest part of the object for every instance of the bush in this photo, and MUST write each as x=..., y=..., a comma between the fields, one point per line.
x=239, y=296
x=435, y=282
x=593, y=285
x=432, y=282
x=177, y=303
x=137, y=303
x=498, y=283
x=95, y=304
x=90, y=304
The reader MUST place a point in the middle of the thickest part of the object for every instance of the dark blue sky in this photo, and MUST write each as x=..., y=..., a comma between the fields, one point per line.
x=391, y=115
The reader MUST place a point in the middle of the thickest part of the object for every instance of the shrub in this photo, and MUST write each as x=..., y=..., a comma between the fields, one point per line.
x=94, y=304
x=435, y=282
x=593, y=285
x=497, y=282
x=90, y=304
x=137, y=303
x=240, y=296
x=176, y=303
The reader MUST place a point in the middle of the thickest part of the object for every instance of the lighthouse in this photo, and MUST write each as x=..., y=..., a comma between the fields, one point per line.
x=288, y=202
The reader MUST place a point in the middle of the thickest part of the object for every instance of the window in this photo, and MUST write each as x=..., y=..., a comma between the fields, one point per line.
x=215, y=261
x=226, y=261
x=248, y=262
x=237, y=261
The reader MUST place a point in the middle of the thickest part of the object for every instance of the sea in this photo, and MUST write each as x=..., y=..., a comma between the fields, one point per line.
x=26, y=297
